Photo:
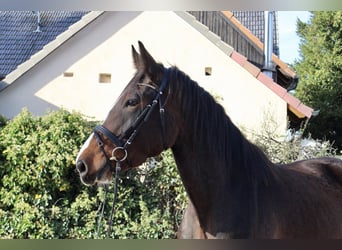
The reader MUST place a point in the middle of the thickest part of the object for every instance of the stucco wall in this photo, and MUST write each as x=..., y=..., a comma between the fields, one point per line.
x=105, y=47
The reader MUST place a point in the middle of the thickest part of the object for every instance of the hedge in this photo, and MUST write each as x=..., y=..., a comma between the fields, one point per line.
x=42, y=196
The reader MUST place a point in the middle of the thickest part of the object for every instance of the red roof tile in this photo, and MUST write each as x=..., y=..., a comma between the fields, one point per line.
x=254, y=70
x=295, y=105
x=307, y=111
x=240, y=59
x=293, y=101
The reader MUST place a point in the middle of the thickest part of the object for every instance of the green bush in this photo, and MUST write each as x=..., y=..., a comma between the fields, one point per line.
x=38, y=174
x=3, y=121
x=42, y=197
x=150, y=202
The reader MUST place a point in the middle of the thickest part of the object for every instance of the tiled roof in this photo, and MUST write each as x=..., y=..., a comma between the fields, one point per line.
x=294, y=104
x=247, y=40
x=280, y=64
x=255, y=22
x=19, y=38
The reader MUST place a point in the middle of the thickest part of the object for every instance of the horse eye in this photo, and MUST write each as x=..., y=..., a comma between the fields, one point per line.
x=132, y=102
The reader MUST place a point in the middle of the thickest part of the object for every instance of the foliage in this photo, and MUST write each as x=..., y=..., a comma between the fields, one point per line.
x=150, y=201
x=293, y=148
x=320, y=71
x=42, y=197
x=3, y=121
x=37, y=173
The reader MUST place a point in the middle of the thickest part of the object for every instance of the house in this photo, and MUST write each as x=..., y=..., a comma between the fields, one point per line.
x=244, y=31
x=86, y=67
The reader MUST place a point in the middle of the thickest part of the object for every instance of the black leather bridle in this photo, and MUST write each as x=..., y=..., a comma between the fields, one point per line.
x=121, y=143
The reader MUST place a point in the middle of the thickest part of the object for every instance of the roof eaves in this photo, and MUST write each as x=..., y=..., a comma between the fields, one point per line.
x=295, y=105
x=257, y=42
x=50, y=47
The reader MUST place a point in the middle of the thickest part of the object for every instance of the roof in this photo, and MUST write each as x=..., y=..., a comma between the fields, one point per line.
x=232, y=30
x=60, y=38
x=255, y=22
x=248, y=33
x=20, y=37
x=294, y=104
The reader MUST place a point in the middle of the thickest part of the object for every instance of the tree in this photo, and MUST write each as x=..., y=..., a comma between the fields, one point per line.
x=320, y=71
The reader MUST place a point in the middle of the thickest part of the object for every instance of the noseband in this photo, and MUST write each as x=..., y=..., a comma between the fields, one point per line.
x=121, y=143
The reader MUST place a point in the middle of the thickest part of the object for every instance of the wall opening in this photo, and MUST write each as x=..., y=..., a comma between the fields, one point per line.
x=68, y=74
x=208, y=71
x=105, y=78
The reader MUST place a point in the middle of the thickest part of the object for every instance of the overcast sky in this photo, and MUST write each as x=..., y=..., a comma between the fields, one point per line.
x=288, y=39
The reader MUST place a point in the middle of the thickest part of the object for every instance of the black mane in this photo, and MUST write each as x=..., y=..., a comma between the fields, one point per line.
x=215, y=134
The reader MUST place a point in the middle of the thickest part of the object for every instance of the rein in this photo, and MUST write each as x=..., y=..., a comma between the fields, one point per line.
x=121, y=143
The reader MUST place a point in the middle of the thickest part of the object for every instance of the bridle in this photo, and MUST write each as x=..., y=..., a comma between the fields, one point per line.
x=122, y=142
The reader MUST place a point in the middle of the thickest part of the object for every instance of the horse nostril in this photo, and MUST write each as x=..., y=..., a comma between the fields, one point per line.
x=81, y=167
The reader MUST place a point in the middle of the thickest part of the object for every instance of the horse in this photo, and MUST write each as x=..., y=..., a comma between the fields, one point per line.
x=234, y=190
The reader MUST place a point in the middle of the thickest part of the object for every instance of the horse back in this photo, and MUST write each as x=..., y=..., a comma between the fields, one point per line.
x=327, y=168
x=309, y=199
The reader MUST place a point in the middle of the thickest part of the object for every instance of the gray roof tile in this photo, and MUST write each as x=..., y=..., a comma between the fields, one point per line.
x=19, y=39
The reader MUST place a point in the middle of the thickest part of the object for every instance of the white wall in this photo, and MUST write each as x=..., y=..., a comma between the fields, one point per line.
x=105, y=47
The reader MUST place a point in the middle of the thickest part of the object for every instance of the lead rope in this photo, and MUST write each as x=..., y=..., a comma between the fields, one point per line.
x=104, y=203
x=110, y=220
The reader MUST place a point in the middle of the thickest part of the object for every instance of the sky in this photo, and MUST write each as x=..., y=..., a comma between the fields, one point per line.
x=288, y=39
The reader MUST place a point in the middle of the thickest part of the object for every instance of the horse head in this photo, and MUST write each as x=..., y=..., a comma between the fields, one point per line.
x=136, y=127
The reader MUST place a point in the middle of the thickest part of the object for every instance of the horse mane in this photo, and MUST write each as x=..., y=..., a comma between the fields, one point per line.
x=215, y=134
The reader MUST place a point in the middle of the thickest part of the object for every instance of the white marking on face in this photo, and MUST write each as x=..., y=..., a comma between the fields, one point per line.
x=85, y=145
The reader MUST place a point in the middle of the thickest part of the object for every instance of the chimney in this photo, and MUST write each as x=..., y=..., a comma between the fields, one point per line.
x=37, y=13
x=268, y=68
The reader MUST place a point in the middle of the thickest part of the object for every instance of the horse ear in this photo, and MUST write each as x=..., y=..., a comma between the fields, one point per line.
x=147, y=61
x=136, y=58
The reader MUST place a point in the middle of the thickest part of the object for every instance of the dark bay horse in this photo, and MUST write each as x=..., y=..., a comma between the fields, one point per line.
x=234, y=189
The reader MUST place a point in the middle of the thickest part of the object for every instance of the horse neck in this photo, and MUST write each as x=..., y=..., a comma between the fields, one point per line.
x=219, y=167
x=207, y=168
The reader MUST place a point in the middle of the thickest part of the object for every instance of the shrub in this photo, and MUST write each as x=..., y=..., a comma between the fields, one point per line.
x=285, y=150
x=150, y=202
x=42, y=197
x=38, y=174
x=3, y=121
